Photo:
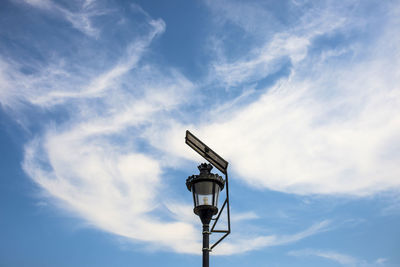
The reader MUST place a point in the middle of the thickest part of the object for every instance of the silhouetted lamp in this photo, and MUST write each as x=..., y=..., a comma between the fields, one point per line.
x=205, y=188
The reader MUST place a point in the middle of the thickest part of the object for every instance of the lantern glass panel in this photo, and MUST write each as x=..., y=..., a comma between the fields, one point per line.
x=206, y=193
x=217, y=189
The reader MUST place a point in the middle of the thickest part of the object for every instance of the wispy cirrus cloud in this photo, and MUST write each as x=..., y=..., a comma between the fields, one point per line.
x=110, y=188
x=62, y=78
x=106, y=80
x=78, y=163
x=276, y=48
x=343, y=259
x=240, y=244
x=329, y=128
x=80, y=20
x=91, y=163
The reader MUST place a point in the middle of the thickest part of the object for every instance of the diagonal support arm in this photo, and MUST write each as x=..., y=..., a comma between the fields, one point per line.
x=226, y=204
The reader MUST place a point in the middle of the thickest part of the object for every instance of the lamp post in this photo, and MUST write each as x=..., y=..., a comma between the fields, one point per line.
x=205, y=188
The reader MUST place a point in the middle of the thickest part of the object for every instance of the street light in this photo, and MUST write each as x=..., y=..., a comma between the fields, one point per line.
x=205, y=188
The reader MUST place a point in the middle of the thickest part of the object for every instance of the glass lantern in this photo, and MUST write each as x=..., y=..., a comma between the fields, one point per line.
x=205, y=188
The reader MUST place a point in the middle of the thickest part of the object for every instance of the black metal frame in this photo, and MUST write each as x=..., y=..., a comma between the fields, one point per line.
x=207, y=153
x=226, y=203
x=218, y=162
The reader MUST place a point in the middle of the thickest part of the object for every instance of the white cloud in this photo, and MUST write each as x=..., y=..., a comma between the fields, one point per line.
x=115, y=188
x=60, y=80
x=287, y=43
x=295, y=138
x=80, y=20
x=250, y=16
x=5, y=91
x=242, y=216
x=111, y=185
x=393, y=205
x=343, y=259
x=381, y=261
x=106, y=80
x=44, y=4
x=241, y=245
x=331, y=127
x=109, y=189
x=78, y=163
x=340, y=258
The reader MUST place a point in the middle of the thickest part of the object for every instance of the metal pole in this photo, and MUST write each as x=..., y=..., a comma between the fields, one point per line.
x=206, y=244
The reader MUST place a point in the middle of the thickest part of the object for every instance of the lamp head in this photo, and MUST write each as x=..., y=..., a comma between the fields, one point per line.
x=205, y=188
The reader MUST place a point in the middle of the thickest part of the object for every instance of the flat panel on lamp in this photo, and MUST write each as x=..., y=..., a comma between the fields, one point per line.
x=207, y=153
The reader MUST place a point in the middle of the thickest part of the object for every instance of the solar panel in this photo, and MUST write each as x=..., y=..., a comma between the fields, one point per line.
x=207, y=153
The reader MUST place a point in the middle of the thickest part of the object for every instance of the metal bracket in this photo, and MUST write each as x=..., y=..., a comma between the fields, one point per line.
x=226, y=204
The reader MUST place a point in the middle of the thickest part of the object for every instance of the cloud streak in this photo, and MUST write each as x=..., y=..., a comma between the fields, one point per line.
x=328, y=127
x=80, y=20
x=289, y=44
x=340, y=258
x=241, y=245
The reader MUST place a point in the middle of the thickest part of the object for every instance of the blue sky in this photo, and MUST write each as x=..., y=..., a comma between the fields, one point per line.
x=301, y=97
